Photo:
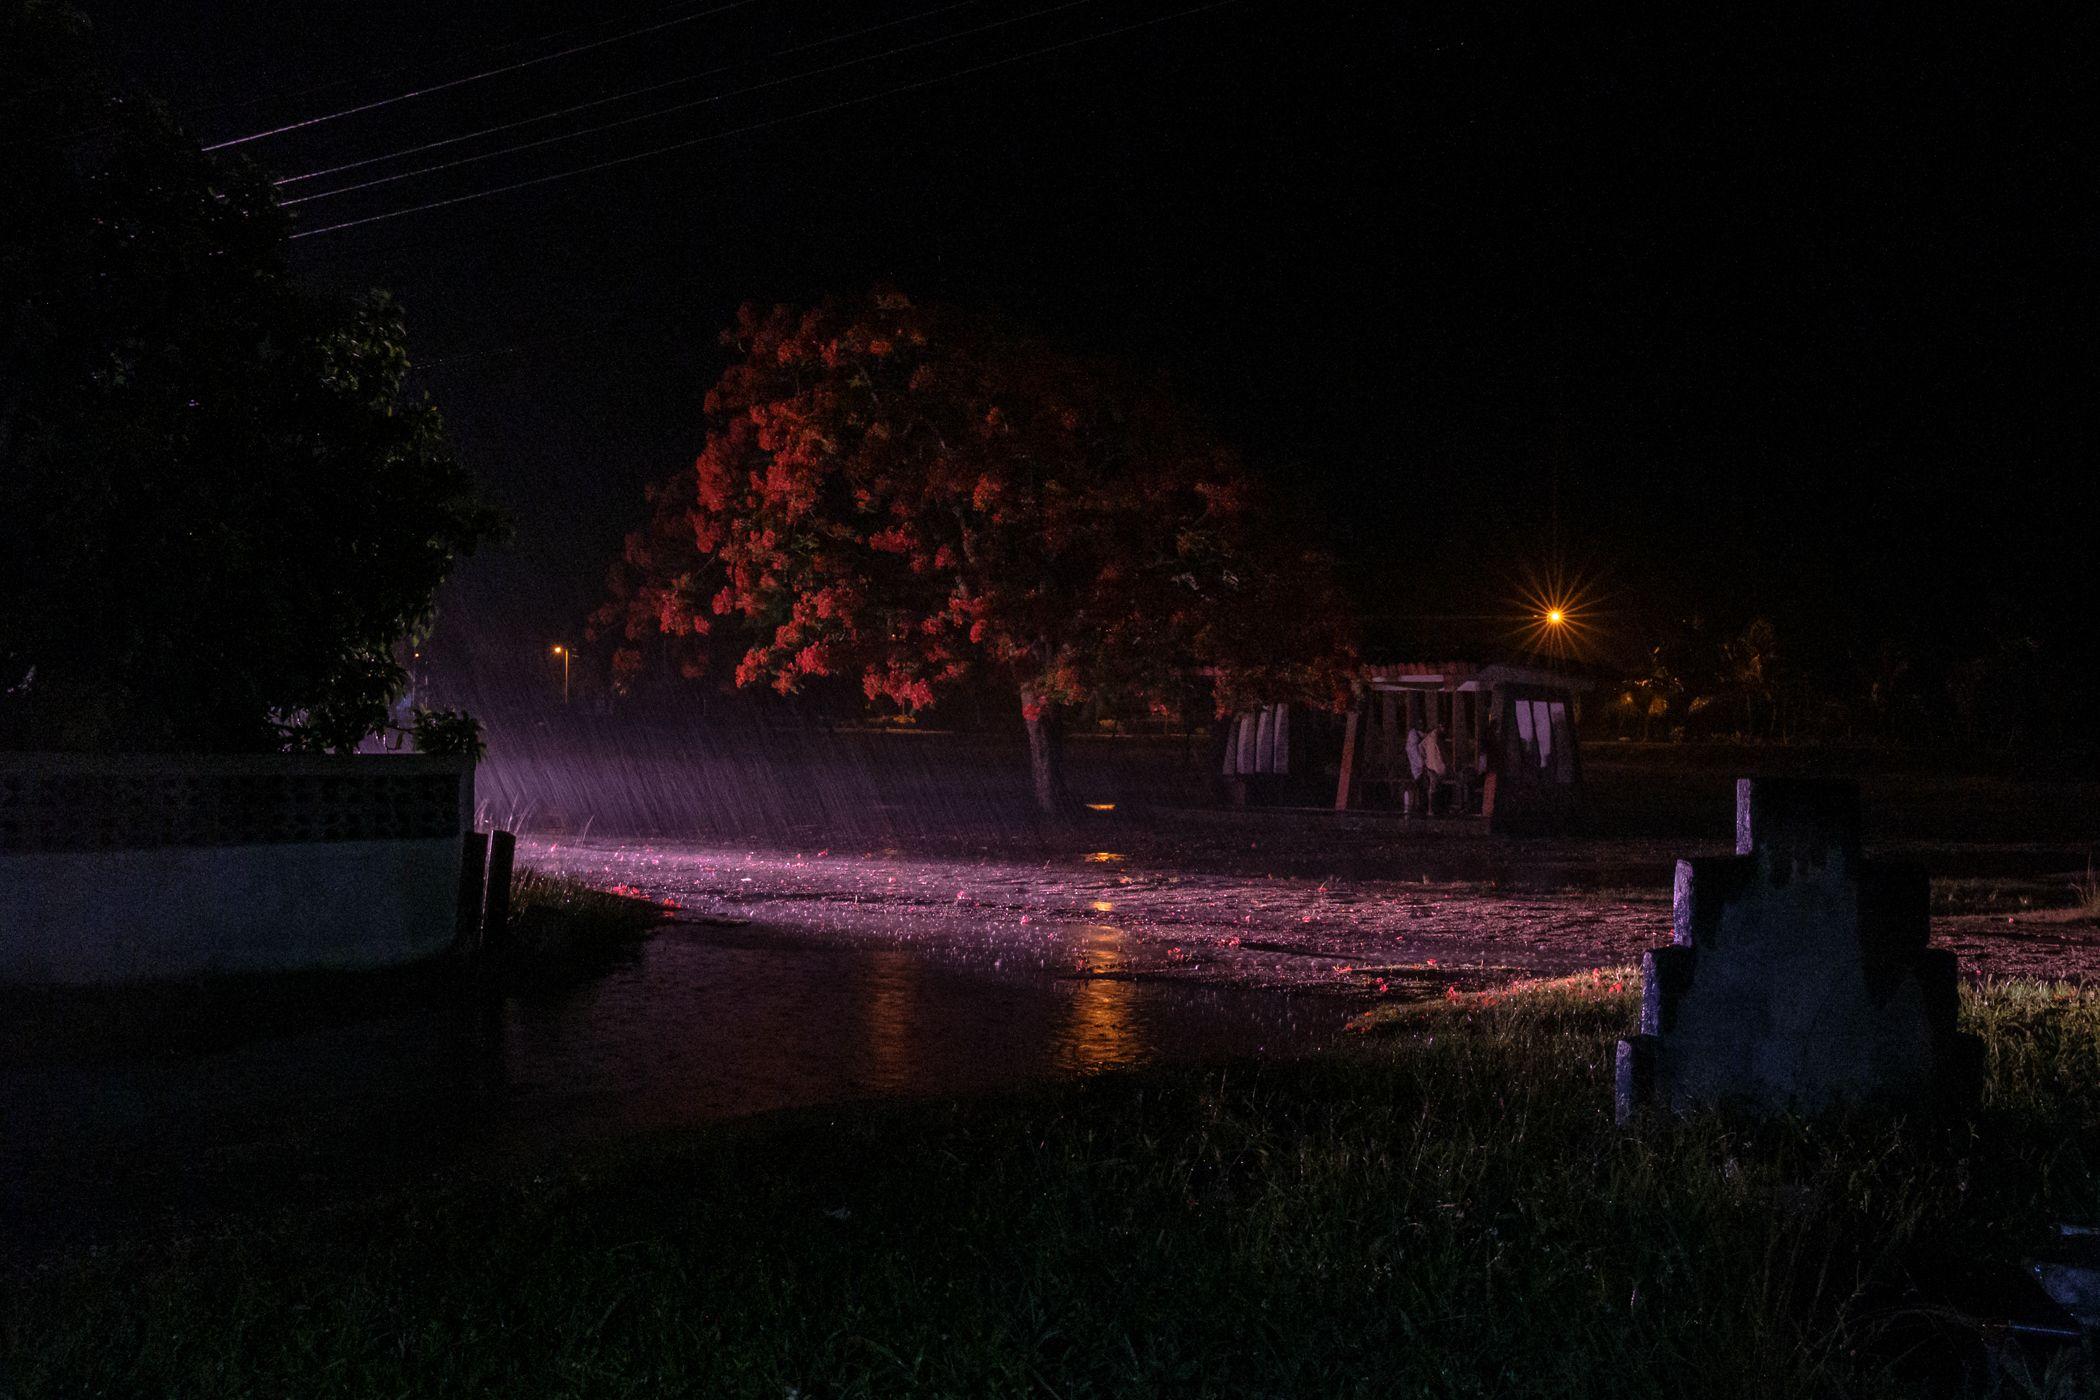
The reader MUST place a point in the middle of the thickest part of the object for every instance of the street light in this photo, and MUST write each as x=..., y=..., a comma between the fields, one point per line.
x=563, y=653
x=1559, y=618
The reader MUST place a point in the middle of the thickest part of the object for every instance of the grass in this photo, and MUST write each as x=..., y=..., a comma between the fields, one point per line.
x=607, y=911
x=561, y=926
x=2085, y=893
x=1444, y=1208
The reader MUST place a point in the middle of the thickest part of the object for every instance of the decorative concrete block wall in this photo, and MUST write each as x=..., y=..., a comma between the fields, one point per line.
x=140, y=868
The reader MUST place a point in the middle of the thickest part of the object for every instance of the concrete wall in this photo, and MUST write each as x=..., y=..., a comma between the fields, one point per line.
x=152, y=867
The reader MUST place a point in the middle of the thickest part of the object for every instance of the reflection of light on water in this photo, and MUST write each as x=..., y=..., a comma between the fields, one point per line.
x=1104, y=857
x=891, y=999
x=1101, y=806
x=1101, y=1033
x=1102, y=906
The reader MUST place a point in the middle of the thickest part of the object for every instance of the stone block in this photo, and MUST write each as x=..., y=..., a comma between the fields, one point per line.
x=1797, y=816
x=1797, y=977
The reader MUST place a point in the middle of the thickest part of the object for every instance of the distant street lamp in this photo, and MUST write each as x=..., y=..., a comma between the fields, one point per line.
x=1559, y=619
x=563, y=653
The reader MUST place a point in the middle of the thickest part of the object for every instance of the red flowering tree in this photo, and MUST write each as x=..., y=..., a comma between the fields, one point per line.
x=907, y=495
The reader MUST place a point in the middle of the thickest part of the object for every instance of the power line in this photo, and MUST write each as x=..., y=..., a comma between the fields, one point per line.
x=485, y=131
x=602, y=101
x=684, y=106
x=432, y=60
x=477, y=77
x=761, y=126
x=429, y=61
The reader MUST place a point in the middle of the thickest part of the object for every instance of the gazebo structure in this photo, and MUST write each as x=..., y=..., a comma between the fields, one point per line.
x=1281, y=756
x=1506, y=731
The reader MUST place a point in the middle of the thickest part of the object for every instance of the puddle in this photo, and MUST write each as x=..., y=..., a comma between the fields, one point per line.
x=703, y=1023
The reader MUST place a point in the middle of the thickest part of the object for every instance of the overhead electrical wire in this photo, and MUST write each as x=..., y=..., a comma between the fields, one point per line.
x=761, y=126
x=603, y=101
x=202, y=109
x=491, y=131
x=686, y=106
x=477, y=77
x=428, y=61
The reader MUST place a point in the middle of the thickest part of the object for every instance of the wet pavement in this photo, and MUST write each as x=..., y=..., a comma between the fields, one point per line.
x=702, y=1022
x=1364, y=937
x=1309, y=921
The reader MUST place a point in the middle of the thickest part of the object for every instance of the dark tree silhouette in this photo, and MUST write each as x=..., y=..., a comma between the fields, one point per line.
x=226, y=512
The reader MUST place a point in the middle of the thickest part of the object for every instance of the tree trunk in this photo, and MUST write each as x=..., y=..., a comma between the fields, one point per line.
x=1046, y=758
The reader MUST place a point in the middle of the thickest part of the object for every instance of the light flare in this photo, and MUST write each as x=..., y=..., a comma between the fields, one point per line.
x=1560, y=615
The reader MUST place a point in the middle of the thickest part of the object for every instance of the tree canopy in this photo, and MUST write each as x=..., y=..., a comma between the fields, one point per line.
x=227, y=511
x=908, y=495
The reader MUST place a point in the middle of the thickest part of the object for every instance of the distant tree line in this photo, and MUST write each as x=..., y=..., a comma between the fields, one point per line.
x=2002, y=691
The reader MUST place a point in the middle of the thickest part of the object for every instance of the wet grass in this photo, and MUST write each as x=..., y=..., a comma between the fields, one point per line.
x=562, y=928
x=2085, y=892
x=1443, y=1207
x=588, y=907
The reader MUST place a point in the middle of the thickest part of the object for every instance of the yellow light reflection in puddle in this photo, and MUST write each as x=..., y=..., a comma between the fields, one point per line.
x=888, y=1001
x=1102, y=906
x=1100, y=806
x=1099, y=1035
x=1104, y=857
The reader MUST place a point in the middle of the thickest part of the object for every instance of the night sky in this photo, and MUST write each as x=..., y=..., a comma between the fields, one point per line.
x=1757, y=317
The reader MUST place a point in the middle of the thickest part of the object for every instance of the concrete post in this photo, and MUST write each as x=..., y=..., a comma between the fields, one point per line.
x=474, y=855
x=495, y=921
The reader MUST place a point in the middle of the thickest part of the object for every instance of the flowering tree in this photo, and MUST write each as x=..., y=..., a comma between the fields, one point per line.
x=908, y=495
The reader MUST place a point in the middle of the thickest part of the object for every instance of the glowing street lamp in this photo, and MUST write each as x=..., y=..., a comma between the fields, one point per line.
x=563, y=653
x=1558, y=619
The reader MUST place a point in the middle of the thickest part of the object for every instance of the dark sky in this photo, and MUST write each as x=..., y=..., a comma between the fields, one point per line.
x=1745, y=316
